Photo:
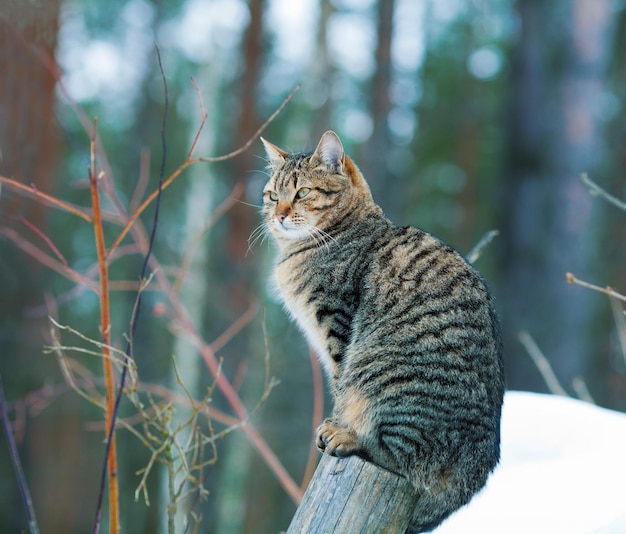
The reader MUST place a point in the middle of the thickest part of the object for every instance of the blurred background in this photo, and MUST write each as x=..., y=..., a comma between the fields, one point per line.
x=464, y=116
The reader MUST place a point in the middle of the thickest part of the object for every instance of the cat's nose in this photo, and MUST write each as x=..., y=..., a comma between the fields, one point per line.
x=281, y=217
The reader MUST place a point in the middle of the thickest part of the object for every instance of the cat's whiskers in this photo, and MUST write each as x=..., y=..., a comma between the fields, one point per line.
x=259, y=206
x=321, y=237
x=260, y=232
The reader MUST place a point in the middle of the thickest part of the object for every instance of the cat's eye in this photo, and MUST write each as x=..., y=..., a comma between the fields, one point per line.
x=273, y=196
x=303, y=192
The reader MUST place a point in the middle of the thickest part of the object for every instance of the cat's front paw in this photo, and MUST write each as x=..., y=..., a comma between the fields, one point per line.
x=337, y=440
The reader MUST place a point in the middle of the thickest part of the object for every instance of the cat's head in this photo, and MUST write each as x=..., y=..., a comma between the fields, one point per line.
x=308, y=195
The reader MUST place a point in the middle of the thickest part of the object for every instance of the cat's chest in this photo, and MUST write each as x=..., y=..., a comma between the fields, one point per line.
x=297, y=297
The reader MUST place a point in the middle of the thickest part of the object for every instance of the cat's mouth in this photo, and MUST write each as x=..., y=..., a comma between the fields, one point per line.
x=287, y=228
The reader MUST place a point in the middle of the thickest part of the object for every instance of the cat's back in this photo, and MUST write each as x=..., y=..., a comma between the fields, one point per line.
x=423, y=295
x=409, y=262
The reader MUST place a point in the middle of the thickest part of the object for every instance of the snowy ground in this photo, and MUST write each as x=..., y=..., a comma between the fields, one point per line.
x=563, y=470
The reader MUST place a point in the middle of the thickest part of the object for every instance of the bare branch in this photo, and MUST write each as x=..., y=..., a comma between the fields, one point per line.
x=17, y=465
x=606, y=290
x=49, y=200
x=581, y=390
x=189, y=162
x=47, y=260
x=542, y=363
x=475, y=253
x=597, y=190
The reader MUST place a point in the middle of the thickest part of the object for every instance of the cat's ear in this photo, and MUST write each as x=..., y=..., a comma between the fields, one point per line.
x=276, y=155
x=330, y=151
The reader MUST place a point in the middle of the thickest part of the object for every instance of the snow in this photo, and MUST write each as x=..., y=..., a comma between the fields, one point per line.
x=563, y=470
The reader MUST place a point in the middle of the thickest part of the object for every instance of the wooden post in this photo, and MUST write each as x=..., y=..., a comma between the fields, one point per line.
x=352, y=495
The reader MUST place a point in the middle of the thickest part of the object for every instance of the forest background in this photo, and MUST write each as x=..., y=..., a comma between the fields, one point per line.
x=464, y=116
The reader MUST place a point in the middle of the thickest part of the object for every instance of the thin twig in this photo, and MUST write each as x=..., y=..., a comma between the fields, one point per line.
x=606, y=290
x=142, y=182
x=141, y=240
x=475, y=253
x=189, y=330
x=49, y=200
x=256, y=134
x=104, y=347
x=90, y=274
x=17, y=464
x=597, y=190
x=192, y=246
x=45, y=239
x=234, y=328
x=47, y=260
x=542, y=363
x=581, y=390
x=67, y=374
x=203, y=117
x=617, y=308
x=85, y=121
x=189, y=162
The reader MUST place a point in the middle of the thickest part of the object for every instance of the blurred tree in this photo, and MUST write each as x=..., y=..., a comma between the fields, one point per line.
x=379, y=144
x=609, y=375
x=321, y=73
x=559, y=75
x=29, y=153
x=453, y=187
x=238, y=277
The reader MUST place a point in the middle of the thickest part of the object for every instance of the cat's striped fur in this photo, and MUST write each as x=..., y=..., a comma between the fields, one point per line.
x=404, y=326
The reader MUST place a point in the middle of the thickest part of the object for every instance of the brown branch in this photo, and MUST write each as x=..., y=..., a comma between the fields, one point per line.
x=38, y=400
x=189, y=162
x=47, y=260
x=141, y=240
x=105, y=325
x=32, y=191
x=45, y=239
x=231, y=396
x=256, y=134
x=244, y=319
x=90, y=274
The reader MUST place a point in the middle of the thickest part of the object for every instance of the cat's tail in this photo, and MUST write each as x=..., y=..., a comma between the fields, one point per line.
x=433, y=508
x=454, y=489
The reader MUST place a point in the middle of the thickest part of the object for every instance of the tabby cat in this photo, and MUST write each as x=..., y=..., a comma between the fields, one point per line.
x=404, y=327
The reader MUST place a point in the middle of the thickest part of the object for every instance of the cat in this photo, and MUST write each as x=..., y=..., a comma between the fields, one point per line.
x=404, y=327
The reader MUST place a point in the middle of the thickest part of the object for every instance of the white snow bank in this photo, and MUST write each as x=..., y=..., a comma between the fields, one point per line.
x=563, y=470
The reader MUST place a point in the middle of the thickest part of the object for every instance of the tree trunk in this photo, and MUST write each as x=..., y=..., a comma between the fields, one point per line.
x=237, y=278
x=380, y=141
x=352, y=495
x=559, y=76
